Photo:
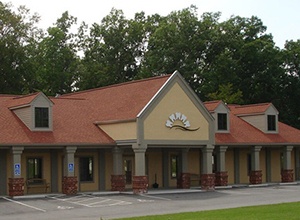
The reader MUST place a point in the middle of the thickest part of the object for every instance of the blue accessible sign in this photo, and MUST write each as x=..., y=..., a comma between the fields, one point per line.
x=71, y=167
x=17, y=169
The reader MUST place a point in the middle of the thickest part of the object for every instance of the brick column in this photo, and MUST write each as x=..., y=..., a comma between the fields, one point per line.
x=69, y=182
x=118, y=178
x=207, y=177
x=139, y=180
x=16, y=184
x=140, y=184
x=287, y=176
x=287, y=173
x=221, y=173
x=184, y=179
x=255, y=176
x=69, y=185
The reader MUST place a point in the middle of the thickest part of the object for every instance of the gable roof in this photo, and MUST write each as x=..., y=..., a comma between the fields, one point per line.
x=250, y=109
x=74, y=114
x=242, y=133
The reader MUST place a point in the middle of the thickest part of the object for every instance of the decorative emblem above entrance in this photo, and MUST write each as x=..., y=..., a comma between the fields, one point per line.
x=182, y=122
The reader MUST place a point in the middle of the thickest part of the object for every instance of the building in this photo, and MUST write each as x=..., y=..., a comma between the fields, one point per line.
x=138, y=135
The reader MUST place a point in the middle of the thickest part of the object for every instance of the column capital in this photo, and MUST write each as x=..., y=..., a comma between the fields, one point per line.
x=117, y=150
x=17, y=150
x=208, y=149
x=70, y=149
x=256, y=148
x=139, y=150
x=222, y=149
x=185, y=150
x=288, y=148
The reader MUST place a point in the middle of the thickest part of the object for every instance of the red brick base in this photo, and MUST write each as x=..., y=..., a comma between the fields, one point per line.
x=287, y=176
x=16, y=186
x=255, y=177
x=221, y=178
x=208, y=181
x=184, y=181
x=69, y=185
x=117, y=183
x=140, y=184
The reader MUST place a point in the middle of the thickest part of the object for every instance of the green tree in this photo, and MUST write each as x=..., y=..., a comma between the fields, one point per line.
x=289, y=102
x=18, y=38
x=57, y=59
x=226, y=94
x=113, y=50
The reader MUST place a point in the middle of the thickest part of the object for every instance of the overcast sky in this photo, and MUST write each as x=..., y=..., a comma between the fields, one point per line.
x=282, y=17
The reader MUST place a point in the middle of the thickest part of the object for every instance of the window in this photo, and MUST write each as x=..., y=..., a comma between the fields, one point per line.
x=86, y=168
x=222, y=121
x=174, y=166
x=34, y=168
x=41, y=118
x=271, y=123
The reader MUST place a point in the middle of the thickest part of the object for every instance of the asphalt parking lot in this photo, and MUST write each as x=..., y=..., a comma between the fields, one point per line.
x=89, y=206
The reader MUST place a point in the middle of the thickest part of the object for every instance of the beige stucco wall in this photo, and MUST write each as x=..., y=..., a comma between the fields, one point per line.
x=120, y=131
x=46, y=163
x=92, y=185
x=275, y=165
x=229, y=167
x=194, y=165
x=244, y=178
x=174, y=101
x=155, y=167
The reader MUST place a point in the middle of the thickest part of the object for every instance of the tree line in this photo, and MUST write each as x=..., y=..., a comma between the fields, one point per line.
x=235, y=60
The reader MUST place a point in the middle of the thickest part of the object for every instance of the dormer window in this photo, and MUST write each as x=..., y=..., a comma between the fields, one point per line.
x=271, y=123
x=222, y=121
x=41, y=117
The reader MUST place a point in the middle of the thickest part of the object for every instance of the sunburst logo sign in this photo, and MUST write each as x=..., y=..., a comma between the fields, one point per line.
x=179, y=121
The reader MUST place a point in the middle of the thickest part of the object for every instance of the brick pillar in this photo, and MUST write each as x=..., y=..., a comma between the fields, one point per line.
x=16, y=186
x=118, y=183
x=287, y=176
x=287, y=173
x=140, y=184
x=69, y=185
x=208, y=181
x=221, y=178
x=255, y=177
x=184, y=181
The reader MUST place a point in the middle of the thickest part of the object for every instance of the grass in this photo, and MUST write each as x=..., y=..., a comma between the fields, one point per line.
x=281, y=211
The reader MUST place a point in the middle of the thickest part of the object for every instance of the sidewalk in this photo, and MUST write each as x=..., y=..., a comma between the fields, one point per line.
x=158, y=191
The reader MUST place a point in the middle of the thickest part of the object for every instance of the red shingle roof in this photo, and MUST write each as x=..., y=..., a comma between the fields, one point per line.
x=243, y=133
x=212, y=105
x=74, y=114
x=249, y=109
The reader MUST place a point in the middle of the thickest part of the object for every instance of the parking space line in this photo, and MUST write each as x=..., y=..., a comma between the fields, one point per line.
x=23, y=204
x=89, y=201
x=155, y=197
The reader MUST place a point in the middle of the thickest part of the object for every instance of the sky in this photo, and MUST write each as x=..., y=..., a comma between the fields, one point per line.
x=281, y=17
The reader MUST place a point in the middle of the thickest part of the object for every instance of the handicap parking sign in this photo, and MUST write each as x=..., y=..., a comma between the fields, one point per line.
x=17, y=169
x=71, y=167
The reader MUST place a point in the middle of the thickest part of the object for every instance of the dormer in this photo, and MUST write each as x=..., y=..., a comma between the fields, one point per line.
x=34, y=110
x=262, y=116
x=221, y=114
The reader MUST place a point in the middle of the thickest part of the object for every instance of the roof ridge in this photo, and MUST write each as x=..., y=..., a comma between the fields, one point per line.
x=27, y=95
x=251, y=105
x=212, y=101
x=118, y=84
